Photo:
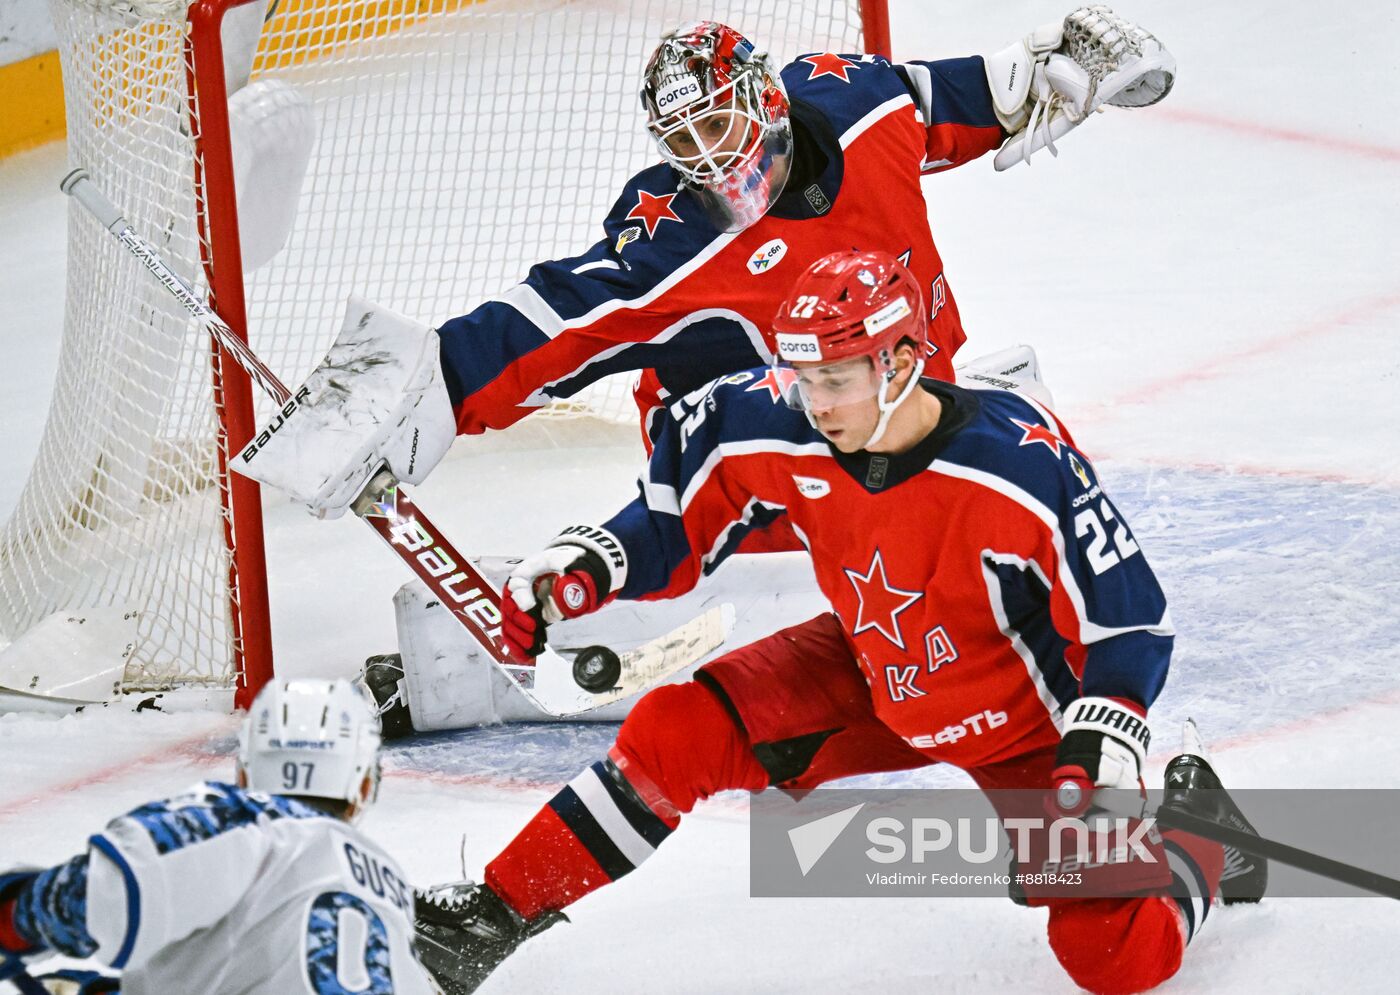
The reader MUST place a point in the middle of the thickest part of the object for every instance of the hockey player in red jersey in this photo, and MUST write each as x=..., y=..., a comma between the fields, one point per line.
x=975, y=567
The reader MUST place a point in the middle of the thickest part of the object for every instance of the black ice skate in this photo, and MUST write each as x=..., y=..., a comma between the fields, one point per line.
x=1193, y=786
x=463, y=931
x=383, y=679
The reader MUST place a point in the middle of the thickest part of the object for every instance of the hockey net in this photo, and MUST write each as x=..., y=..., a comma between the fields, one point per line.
x=455, y=144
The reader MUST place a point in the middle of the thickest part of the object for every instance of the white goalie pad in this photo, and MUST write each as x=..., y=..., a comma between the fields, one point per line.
x=1015, y=368
x=450, y=684
x=273, y=131
x=377, y=399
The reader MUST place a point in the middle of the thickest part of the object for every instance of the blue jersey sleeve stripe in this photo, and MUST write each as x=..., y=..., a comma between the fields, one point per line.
x=1020, y=598
x=133, y=898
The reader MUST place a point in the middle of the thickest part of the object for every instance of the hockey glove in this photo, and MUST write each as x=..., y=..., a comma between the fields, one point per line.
x=12, y=883
x=1104, y=746
x=1050, y=82
x=1113, y=852
x=572, y=576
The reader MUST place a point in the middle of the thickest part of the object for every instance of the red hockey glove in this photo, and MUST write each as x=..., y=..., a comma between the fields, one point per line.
x=564, y=581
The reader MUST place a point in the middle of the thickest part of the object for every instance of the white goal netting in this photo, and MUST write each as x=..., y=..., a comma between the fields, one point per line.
x=456, y=144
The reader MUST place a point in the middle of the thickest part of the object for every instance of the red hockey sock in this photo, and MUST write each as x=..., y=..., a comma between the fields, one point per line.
x=677, y=746
x=1112, y=945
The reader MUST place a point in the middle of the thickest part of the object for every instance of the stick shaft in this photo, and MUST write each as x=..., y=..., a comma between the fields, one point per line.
x=1304, y=860
x=473, y=601
x=79, y=185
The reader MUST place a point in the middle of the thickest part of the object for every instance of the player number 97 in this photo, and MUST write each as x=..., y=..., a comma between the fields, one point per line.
x=295, y=775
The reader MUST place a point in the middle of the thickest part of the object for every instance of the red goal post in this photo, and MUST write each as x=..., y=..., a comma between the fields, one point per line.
x=450, y=144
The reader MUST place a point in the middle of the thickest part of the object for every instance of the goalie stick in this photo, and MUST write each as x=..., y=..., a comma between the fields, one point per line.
x=405, y=529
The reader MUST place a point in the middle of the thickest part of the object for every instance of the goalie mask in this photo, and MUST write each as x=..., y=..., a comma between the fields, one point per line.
x=316, y=739
x=834, y=338
x=719, y=114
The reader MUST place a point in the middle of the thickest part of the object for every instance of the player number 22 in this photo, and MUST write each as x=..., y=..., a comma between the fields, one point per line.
x=1089, y=522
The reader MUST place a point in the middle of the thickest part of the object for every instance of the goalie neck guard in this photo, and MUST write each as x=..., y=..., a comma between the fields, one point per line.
x=719, y=114
x=317, y=739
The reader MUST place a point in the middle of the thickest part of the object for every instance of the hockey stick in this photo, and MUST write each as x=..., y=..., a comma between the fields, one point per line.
x=1171, y=817
x=1258, y=846
x=549, y=681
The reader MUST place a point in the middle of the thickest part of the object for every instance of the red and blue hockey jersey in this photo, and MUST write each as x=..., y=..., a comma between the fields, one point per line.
x=984, y=578
x=664, y=290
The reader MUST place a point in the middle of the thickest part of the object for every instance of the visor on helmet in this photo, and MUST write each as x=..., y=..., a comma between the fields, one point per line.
x=830, y=385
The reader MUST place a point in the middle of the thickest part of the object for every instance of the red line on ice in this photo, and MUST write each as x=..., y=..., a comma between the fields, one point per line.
x=1224, y=363
x=1382, y=153
x=185, y=749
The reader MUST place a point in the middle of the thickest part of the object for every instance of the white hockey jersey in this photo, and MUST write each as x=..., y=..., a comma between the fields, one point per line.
x=223, y=891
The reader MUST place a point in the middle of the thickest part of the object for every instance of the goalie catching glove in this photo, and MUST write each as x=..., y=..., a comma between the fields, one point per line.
x=575, y=574
x=378, y=399
x=1050, y=82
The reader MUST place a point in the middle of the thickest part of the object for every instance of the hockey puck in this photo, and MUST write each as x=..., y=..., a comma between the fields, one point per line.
x=597, y=669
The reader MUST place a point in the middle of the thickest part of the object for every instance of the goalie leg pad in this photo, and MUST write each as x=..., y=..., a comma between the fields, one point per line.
x=450, y=684
x=1015, y=369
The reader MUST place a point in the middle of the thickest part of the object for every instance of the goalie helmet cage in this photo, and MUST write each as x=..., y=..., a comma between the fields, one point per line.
x=456, y=144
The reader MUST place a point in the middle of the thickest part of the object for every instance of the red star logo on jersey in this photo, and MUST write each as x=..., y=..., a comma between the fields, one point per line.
x=880, y=603
x=652, y=210
x=829, y=65
x=776, y=381
x=1038, y=433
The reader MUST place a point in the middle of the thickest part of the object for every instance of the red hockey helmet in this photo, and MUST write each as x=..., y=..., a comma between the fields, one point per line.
x=719, y=114
x=847, y=306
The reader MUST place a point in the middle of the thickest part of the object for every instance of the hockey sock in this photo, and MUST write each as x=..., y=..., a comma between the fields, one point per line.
x=678, y=745
x=1196, y=866
x=592, y=832
x=1121, y=945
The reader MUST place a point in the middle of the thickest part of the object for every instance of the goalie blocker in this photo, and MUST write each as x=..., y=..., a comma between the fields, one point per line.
x=377, y=400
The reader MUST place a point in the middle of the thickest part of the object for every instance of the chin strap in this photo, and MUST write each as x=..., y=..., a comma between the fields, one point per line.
x=887, y=407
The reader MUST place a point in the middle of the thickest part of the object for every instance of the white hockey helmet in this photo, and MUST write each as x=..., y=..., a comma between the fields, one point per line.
x=718, y=112
x=311, y=738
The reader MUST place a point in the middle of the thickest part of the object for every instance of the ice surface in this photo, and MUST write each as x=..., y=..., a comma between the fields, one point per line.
x=1212, y=288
